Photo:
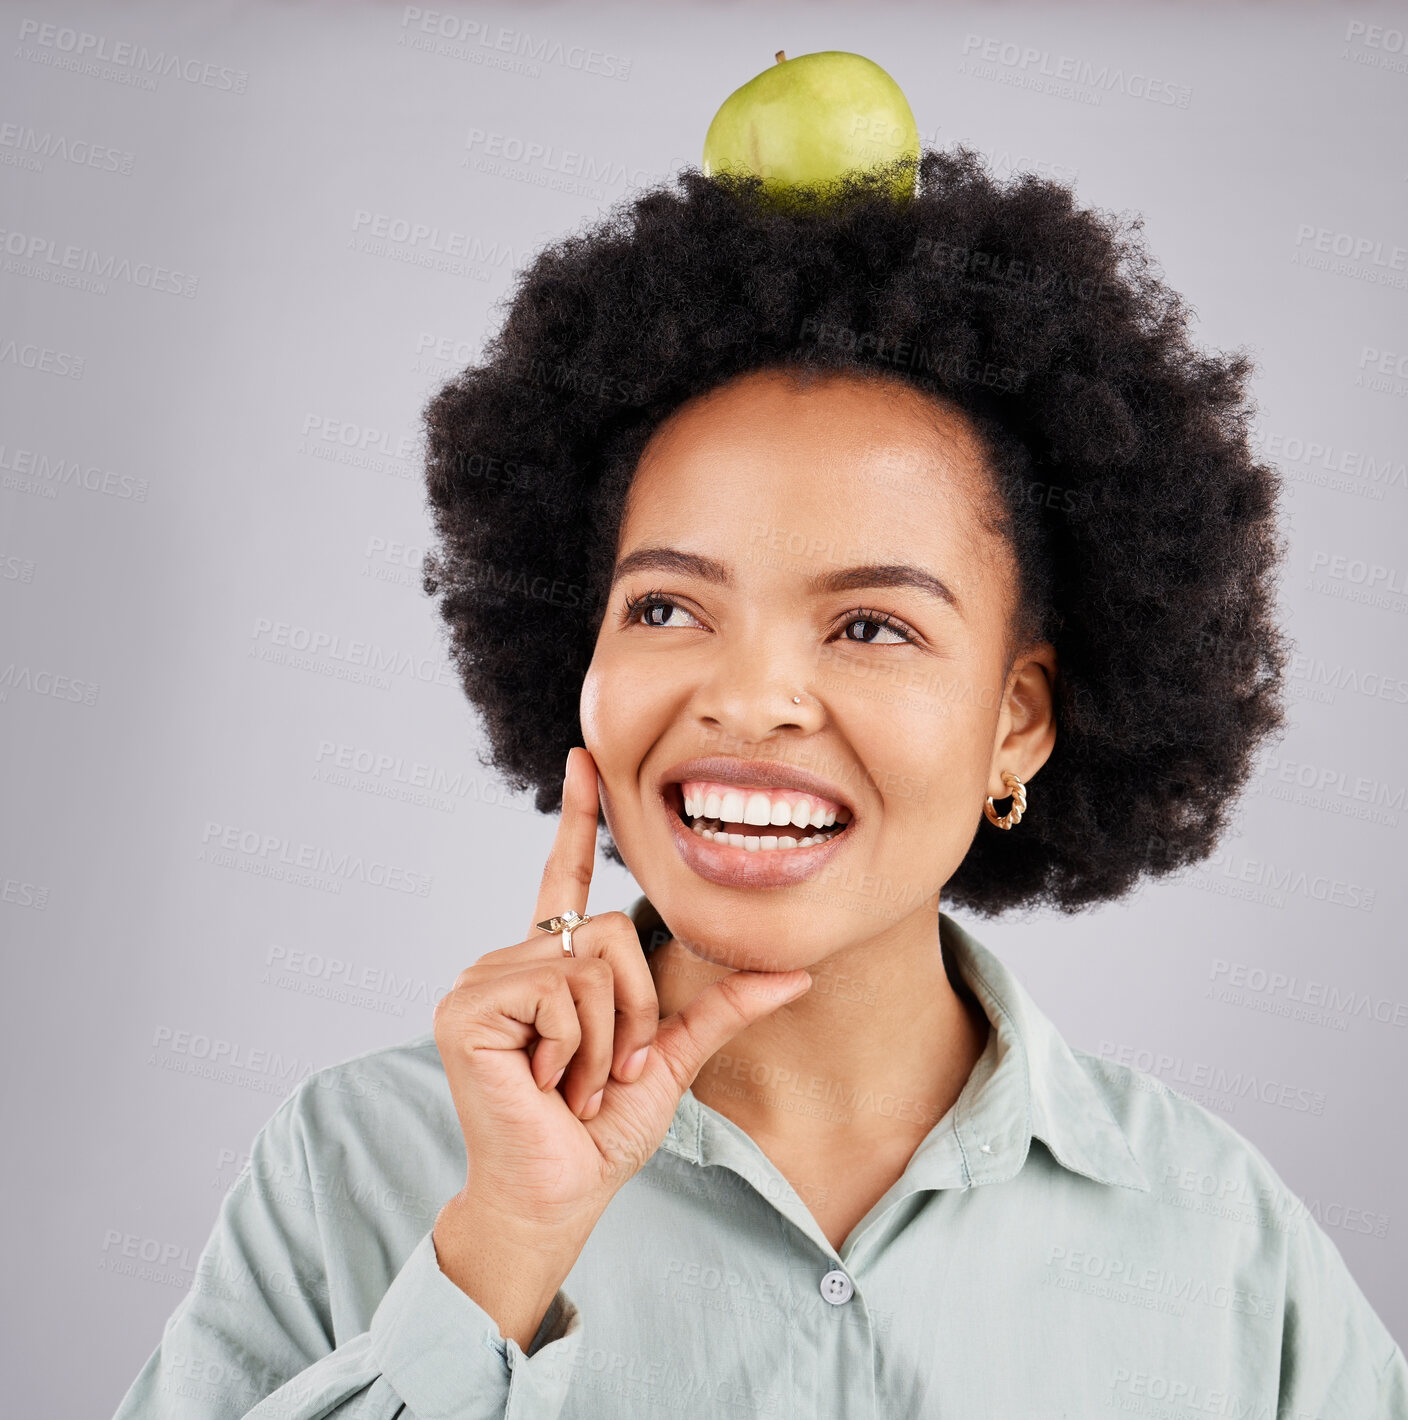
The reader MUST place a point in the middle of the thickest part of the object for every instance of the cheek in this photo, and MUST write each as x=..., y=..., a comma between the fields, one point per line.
x=621, y=711
x=926, y=748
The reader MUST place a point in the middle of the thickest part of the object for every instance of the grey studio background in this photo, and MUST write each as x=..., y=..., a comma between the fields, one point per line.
x=291, y=223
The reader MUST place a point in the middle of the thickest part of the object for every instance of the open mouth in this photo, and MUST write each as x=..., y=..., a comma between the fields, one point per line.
x=758, y=820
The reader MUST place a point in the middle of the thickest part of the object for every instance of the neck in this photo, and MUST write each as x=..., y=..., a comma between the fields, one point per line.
x=880, y=1046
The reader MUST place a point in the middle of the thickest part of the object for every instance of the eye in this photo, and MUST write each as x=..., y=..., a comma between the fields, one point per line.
x=876, y=628
x=656, y=609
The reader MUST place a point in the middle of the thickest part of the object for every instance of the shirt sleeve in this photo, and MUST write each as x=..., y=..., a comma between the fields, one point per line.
x=1338, y=1361
x=253, y=1339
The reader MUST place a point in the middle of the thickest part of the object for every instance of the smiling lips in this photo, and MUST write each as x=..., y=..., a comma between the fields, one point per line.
x=724, y=813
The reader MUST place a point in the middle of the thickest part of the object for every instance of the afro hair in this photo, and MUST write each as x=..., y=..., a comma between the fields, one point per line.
x=1143, y=528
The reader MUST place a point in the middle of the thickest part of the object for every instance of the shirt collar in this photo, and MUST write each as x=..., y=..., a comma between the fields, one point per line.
x=1026, y=1084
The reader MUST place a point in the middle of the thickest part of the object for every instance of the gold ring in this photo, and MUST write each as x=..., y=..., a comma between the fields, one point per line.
x=566, y=924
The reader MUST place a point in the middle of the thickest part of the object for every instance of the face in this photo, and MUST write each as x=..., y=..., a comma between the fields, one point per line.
x=823, y=541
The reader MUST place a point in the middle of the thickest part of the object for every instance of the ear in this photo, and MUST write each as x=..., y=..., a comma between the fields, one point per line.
x=1026, y=722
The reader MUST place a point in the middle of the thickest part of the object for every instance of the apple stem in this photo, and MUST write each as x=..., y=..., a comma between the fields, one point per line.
x=780, y=55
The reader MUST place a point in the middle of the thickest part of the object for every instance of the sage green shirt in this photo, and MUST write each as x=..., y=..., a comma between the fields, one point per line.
x=1073, y=1239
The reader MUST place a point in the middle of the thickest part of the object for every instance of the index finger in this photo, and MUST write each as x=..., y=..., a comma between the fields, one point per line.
x=567, y=876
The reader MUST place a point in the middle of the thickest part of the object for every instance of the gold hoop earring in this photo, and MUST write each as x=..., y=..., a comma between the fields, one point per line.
x=1013, y=816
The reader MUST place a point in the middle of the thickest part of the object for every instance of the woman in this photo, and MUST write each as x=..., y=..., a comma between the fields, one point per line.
x=856, y=558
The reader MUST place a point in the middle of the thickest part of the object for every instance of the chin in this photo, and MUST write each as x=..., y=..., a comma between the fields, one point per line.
x=778, y=936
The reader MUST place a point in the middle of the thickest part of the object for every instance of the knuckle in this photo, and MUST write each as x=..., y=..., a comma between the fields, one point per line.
x=597, y=971
x=678, y=1067
x=729, y=992
x=448, y=1024
x=448, y=1005
x=549, y=976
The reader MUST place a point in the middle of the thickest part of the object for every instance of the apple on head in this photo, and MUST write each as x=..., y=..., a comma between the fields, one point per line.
x=807, y=121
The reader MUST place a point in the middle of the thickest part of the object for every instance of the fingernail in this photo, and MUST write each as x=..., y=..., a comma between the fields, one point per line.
x=594, y=1103
x=552, y=1084
x=634, y=1064
x=567, y=769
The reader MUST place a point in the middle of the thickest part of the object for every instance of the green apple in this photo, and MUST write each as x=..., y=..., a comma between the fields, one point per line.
x=807, y=121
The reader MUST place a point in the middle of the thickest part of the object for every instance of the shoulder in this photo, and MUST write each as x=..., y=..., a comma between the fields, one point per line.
x=375, y=1130
x=1183, y=1145
x=373, y=1083
x=1207, y=1173
x=391, y=1092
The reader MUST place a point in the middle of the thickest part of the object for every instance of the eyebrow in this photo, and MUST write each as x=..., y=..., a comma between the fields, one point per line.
x=886, y=574
x=845, y=579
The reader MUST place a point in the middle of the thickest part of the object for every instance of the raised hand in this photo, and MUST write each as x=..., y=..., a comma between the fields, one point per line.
x=563, y=1077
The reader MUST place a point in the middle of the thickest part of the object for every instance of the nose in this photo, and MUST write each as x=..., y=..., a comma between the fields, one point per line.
x=754, y=689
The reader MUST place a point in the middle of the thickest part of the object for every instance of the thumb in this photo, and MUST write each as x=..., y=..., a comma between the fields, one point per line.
x=720, y=1012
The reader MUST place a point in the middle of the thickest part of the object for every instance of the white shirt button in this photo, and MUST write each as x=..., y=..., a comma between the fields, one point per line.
x=837, y=1288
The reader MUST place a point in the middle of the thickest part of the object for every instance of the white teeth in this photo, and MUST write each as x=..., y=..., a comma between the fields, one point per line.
x=758, y=809
x=724, y=809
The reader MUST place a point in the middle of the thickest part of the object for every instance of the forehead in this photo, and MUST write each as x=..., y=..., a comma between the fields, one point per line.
x=873, y=465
